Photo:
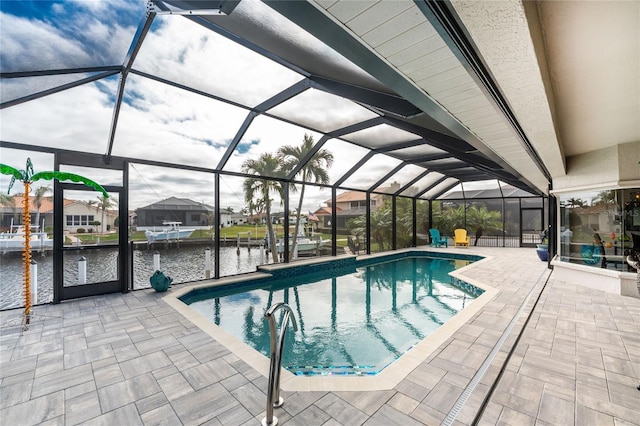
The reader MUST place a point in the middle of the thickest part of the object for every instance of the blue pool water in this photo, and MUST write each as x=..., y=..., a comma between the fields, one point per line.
x=351, y=321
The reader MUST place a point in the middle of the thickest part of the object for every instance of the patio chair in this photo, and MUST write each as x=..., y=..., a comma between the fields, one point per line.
x=603, y=254
x=460, y=238
x=635, y=250
x=436, y=239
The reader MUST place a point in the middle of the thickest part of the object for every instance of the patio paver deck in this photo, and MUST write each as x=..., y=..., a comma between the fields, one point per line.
x=131, y=359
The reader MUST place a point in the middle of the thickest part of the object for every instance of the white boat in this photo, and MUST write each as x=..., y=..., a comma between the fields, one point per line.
x=171, y=232
x=14, y=239
x=304, y=243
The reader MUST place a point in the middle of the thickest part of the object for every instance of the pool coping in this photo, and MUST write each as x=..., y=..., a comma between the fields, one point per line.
x=387, y=379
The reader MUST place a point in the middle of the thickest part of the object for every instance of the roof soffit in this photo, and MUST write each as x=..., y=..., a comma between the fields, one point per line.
x=501, y=34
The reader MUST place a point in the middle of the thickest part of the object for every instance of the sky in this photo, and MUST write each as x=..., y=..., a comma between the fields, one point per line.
x=158, y=121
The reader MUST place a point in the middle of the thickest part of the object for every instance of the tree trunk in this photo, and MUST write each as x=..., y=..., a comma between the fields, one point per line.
x=479, y=233
x=295, y=235
x=272, y=238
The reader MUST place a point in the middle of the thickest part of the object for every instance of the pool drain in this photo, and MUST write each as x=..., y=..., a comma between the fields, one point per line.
x=462, y=399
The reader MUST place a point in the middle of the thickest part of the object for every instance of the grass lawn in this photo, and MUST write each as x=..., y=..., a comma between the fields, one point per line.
x=231, y=233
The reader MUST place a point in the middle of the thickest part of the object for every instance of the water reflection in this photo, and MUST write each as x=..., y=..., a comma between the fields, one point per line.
x=354, y=323
x=183, y=264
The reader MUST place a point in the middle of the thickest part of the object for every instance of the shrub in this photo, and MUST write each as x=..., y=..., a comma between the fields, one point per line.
x=81, y=231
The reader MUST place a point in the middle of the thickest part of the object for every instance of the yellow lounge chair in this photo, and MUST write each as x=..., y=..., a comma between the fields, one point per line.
x=460, y=238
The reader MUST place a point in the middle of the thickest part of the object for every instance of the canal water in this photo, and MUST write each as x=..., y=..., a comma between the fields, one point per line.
x=183, y=264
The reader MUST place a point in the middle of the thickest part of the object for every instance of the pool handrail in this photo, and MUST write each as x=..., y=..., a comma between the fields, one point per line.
x=273, y=390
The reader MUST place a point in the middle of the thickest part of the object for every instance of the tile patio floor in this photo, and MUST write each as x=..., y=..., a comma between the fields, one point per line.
x=131, y=359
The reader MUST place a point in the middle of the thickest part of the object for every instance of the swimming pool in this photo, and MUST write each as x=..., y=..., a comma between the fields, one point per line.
x=354, y=317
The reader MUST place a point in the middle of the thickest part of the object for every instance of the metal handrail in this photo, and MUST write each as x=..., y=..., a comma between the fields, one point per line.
x=273, y=391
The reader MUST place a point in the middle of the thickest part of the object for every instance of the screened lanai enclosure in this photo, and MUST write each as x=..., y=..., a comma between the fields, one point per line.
x=266, y=131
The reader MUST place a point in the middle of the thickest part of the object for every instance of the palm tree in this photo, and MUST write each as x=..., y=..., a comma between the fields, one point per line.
x=404, y=222
x=605, y=197
x=255, y=208
x=104, y=203
x=380, y=225
x=422, y=219
x=27, y=177
x=315, y=170
x=37, y=200
x=482, y=220
x=9, y=201
x=448, y=219
x=260, y=188
x=380, y=221
x=357, y=226
x=575, y=202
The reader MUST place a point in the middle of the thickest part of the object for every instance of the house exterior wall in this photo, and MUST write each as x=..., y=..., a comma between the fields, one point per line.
x=629, y=162
x=225, y=220
x=152, y=217
x=615, y=168
x=237, y=219
x=605, y=168
x=78, y=215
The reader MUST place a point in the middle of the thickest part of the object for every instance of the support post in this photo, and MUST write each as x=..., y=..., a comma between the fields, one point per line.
x=156, y=260
x=207, y=263
x=82, y=270
x=34, y=282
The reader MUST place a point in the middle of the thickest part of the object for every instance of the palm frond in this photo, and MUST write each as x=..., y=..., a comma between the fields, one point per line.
x=65, y=176
x=8, y=170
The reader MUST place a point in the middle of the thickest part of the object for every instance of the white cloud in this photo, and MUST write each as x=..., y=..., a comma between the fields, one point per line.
x=185, y=52
x=160, y=122
x=28, y=43
x=76, y=119
x=18, y=159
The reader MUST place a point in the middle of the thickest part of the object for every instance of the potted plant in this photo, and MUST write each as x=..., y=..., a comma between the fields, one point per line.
x=160, y=282
x=543, y=249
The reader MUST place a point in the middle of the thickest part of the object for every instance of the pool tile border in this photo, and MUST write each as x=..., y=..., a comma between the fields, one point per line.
x=387, y=378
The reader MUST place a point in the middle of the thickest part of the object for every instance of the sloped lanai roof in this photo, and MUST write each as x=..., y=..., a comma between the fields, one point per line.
x=237, y=72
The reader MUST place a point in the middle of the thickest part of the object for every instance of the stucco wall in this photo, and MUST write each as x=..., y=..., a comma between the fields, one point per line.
x=607, y=167
x=595, y=168
x=629, y=161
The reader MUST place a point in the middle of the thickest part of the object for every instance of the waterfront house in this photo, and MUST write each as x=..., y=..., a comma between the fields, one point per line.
x=78, y=214
x=238, y=218
x=173, y=209
x=352, y=204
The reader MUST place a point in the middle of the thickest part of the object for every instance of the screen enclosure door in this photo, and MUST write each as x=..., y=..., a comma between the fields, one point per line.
x=92, y=249
x=532, y=222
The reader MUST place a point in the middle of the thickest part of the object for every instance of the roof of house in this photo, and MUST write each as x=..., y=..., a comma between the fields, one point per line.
x=596, y=209
x=46, y=205
x=323, y=211
x=360, y=211
x=354, y=196
x=175, y=203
